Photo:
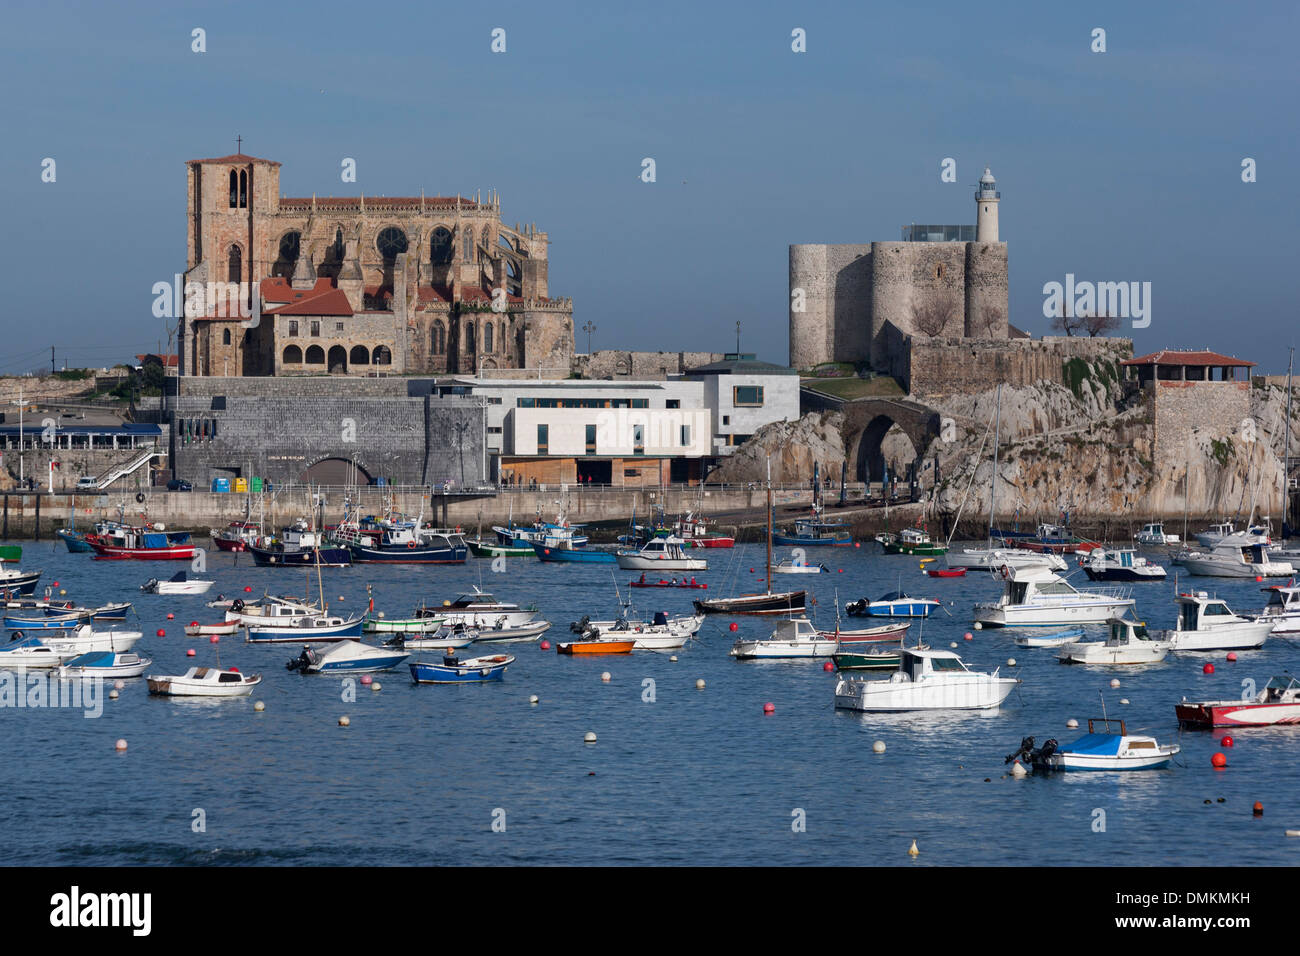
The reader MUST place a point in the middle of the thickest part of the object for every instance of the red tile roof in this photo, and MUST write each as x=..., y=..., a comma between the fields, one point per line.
x=168, y=360
x=1202, y=357
x=235, y=158
x=330, y=302
x=279, y=289
x=377, y=201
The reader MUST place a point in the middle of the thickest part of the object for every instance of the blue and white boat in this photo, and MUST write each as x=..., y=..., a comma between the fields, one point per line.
x=567, y=555
x=557, y=533
x=452, y=670
x=30, y=653
x=351, y=657
x=52, y=621
x=105, y=664
x=308, y=630
x=1101, y=748
x=399, y=540
x=15, y=581
x=815, y=531
x=893, y=604
x=75, y=540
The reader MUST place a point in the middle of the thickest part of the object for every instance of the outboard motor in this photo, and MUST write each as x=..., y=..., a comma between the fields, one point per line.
x=1026, y=750
x=302, y=661
x=149, y=585
x=579, y=627
x=237, y=604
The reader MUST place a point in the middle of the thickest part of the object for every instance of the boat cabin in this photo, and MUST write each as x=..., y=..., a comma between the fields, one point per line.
x=914, y=536
x=1026, y=583
x=795, y=629
x=667, y=547
x=1197, y=611
x=1124, y=631
x=1281, y=599
x=1280, y=689
x=916, y=663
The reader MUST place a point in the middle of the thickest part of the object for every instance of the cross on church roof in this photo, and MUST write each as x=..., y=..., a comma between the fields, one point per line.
x=239, y=144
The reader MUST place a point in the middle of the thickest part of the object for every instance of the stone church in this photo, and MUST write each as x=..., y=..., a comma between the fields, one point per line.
x=361, y=285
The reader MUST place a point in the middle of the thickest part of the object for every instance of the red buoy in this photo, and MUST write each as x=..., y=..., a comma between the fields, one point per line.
x=1219, y=761
x=1226, y=741
x=248, y=590
x=828, y=666
x=190, y=652
x=1258, y=578
x=234, y=670
x=213, y=639
x=1208, y=668
x=171, y=617
x=194, y=623
x=161, y=632
x=56, y=584
x=1258, y=809
x=857, y=544
x=545, y=645
x=968, y=636
x=1232, y=656
x=733, y=627
x=769, y=708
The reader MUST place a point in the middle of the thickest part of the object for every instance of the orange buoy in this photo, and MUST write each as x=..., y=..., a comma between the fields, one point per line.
x=1232, y=657
x=1219, y=761
x=1208, y=668
x=171, y=617
x=1258, y=809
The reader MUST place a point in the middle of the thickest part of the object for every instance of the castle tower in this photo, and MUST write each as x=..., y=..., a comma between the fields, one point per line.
x=986, y=205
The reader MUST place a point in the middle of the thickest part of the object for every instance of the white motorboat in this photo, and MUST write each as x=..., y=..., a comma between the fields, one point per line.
x=1051, y=640
x=447, y=637
x=1120, y=564
x=204, y=682
x=352, y=657
x=795, y=637
x=1282, y=609
x=178, y=583
x=83, y=639
x=1208, y=624
x=1235, y=557
x=30, y=653
x=105, y=664
x=1128, y=643
x=271, y=611
x=1100, y=749
x=925, y=680
x=1277, y=703
x=661, y=554
x=514, y=635
x=1037, y=597
x=478, y=609
x=1154, y=534
x=1010, y=557
x=661, y=633
x=1225, y=531
x=797, y=566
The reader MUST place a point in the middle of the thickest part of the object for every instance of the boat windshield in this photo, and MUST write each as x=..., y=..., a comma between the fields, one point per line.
x=947, y=664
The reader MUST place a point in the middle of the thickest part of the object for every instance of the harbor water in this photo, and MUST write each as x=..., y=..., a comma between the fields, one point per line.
x=477, y=775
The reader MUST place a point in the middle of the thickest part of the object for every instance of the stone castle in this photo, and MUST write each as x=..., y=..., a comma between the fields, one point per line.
x=859, y=303
x=362, y=285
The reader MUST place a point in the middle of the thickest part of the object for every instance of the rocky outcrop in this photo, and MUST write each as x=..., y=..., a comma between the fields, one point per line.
x=793, y=448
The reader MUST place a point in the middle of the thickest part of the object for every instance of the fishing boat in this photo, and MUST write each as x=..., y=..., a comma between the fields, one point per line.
x=151, y=543
x=477, y=608
x=47, y=621
x=795, y=637
x=1208, y=624
x=1227, y=530
x=30, y=653
x=1283, y=608
x=1277, y=703
x=513, y=635
x=661, y=633
x=399, y=540
x=105, y=664
x=1054, y=539
x=769, y=602
x=798, y=566
x=1231, y=558
x=1036, y=597
x=1154, y=535
x=178, y=583
x=236, y=536
x=815, y=531
x=204, y=682
x=660, y=554
x=946, y=572
x=563, y=554
x=911, y=541
x=1128, y=643
x=689, y=584
x=224, y=629
x=893, y=604
x=552, y=534
x=74, y=540
x=1059, y=639
x=84, y=638
x=452, y=670
x=600, y=645
x=482, y=548
x=695, y=531
x=446, y=637
x=1120, y=564
x=861, y=637
x=310, y=629
x=1101, y=748
x=298, y=546
x=13, y=581
x=351, y=657
x=925, y=680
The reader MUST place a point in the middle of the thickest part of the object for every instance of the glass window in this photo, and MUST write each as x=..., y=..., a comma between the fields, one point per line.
x=747, y=395
x=673, y=403
x=315, y=326
x=591, y=439
x=293, y=326
x=543, y=439
x=686, y=436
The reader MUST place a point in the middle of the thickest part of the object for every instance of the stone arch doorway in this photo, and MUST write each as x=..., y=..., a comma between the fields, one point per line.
x=874, y=428
x=336, y=471
x=338, y=360
x=884, y=445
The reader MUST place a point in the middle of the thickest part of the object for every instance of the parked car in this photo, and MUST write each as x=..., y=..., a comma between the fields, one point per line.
x=87, y=482
x=179, y=484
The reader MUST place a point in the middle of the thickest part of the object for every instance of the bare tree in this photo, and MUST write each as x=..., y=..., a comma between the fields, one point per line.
x=932, y=317
x=1069, y=324
x=989, y=320
x=1102, y=323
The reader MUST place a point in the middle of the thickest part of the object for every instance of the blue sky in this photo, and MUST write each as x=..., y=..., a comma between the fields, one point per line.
x=1117, y=166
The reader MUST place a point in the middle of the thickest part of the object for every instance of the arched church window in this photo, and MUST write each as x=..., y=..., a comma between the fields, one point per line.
x=235, y=263
x=487, y=337
x=234, y=189
x=287, y=260
x=439, y=338
x=440, y=246
x=243, y=189
x=467, y=251
x=469, y=337
x=225, y=337
x=391, y=242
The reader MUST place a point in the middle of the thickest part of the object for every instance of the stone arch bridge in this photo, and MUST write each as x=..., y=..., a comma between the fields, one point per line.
x=866, y=422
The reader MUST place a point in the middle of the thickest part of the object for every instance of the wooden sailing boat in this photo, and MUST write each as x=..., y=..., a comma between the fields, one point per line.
x=769, y=602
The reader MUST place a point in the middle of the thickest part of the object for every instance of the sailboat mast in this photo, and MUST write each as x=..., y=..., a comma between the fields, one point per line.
x=769, y=526
x=993, y=485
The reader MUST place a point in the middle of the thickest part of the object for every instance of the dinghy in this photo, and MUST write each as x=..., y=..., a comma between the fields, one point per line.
x=452, y=670
x=204, y=630
x=600, y=645
x=1059, y=639
x=1100, y=749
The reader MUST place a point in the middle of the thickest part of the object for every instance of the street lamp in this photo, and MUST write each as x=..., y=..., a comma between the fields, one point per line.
x=589, y=327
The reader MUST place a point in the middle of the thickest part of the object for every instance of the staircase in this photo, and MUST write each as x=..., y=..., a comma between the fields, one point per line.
x=130, y=466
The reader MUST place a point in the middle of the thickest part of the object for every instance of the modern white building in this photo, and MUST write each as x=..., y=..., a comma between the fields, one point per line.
x=744, y=394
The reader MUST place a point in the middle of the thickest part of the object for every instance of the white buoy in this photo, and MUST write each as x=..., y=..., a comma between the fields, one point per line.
x=1011, y=662
x=1123, y=700
x=1017, y=770
x=112, y=695
x=699, y=684
x=380, y=614
x=376, y=686
x=978, y=625
x=259, y=706
x=63, y=592
x=1114, y=682
x=344, y=720
x=589, y=737
x=119, y=685
x=533, y=699
x=953, y=644
x=606, y=677
x=1072, y=723
x=673, y=659
x=912, y=850
x=878, y=747
x=1293, y=833
x=120, y=745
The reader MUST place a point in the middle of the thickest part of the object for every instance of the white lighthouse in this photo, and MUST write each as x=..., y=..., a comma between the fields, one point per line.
x=986, y=205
